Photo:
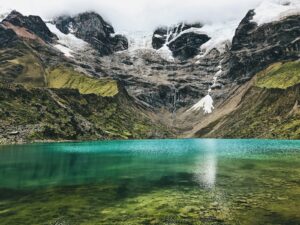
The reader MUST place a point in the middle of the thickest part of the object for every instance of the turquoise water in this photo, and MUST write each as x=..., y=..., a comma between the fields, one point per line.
x=193, y=181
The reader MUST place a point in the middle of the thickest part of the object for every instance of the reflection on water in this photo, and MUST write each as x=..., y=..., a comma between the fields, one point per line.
x=151, y=182
x=207, y=164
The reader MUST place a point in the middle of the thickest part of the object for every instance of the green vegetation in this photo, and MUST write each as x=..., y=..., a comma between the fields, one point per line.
x=22, y=66
x=65, y=114
x=67, y=77
x=279, y=75
x=42, y=99
x=32, y=74
x=270, y=109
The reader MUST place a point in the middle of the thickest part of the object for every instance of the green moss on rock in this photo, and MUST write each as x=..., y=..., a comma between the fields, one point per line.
x=67, y=77
x=279, y=75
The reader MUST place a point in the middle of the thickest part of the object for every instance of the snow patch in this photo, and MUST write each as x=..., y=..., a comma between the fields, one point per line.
x=190, y=30
x=275, y=10
x=142, y=40
x=67, y=52
x=67, y=43
x=158, y=36
x=205, y=103
x=138, y=40
x=221, y=35
x=166, y=53
x=71, y=28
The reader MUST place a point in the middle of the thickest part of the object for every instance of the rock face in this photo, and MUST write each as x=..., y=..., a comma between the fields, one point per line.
x=181, y=42
x=159, y=37
x=33, y=23
x=187, y=45
x=91, y=28
x=7, y=36
x=162, y=84
x=255, y=47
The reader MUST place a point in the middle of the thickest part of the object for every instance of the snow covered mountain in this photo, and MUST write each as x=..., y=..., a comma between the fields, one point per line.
x=189, y=76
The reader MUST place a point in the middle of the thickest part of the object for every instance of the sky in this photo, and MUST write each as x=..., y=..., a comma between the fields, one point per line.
x=139, y=15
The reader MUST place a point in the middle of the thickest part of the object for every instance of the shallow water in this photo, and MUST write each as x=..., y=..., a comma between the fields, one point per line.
x=191, y=181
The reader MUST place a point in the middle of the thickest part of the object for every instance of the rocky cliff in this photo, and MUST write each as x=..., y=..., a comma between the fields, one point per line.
x=182, y=41
x=92, y=28
x=255, y=47
x=34, y=24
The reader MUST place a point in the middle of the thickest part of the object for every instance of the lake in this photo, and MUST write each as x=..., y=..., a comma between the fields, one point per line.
x=189, y=181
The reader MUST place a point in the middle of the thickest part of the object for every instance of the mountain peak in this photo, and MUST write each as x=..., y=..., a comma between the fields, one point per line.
x=93, y=29
x=15, y=20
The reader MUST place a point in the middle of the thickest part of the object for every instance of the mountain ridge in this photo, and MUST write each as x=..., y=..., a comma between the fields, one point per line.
x=163, y=85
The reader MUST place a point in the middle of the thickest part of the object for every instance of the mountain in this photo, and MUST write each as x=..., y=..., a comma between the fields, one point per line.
x=78, y=79
x=91, y=28
x=48, y=96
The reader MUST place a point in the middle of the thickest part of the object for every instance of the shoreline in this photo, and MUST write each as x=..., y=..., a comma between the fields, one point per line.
x=144, y=139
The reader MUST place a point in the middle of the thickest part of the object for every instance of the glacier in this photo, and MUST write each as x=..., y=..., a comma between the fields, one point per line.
x=67, y=43
x=275, y=10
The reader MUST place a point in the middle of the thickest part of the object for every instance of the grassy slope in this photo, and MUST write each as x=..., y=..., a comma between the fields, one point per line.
x=66, y=77
x=269, y=109
x=65, y=114
x=77, y=107
x=21, y=65
x=280, y=75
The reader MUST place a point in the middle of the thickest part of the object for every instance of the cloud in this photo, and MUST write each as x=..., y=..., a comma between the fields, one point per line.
x=139, y=14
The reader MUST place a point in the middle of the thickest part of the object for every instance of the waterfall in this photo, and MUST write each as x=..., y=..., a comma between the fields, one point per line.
x=174, y=102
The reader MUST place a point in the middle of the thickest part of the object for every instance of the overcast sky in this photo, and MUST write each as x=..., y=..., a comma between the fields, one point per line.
x=139, y=14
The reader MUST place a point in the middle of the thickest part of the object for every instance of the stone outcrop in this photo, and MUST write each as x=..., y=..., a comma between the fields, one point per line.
x=33, y=24
x=7, y=36
x=255, y=47
x=93, y=29
x=181, y=42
